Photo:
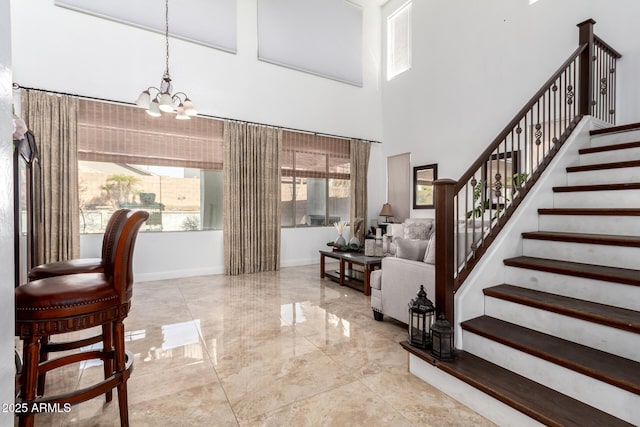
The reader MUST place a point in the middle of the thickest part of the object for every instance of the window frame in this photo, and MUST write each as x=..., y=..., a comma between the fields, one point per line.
x=392, y=72
x=301, y=174
x=119, y=134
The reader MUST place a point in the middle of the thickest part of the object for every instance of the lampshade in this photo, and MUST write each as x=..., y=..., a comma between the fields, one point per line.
x=166, y=103
x=189, y=109
x=386, y=210
x=144, y=99
x=154, y=109
x=181, y=114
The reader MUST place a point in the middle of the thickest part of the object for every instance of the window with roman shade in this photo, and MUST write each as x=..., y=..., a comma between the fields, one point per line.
x=172, y=168
x=315, y=187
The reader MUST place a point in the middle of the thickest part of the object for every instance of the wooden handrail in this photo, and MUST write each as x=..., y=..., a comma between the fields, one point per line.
x=604, y=44
x=516, y=119
x=471, y=212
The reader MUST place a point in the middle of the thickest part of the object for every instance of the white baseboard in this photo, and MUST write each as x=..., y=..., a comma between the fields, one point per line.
x=177, y=274
x=300, y=262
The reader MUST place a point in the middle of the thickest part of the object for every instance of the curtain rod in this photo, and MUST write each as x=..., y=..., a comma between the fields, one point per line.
x=17, y=86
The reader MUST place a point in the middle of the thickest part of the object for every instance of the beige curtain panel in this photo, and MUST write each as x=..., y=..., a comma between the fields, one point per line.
x=359, y=168
x=251, y=209
x=53, y=121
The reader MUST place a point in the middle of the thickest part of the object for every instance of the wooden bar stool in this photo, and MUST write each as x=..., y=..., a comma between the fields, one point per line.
x=84, y=265
x=78, y=266
x=70, y=303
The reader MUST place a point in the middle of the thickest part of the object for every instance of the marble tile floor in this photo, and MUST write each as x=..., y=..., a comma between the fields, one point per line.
x=279, y=348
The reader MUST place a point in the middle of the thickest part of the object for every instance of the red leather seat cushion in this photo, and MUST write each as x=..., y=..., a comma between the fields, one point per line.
x=74, y=266
x=64, y=296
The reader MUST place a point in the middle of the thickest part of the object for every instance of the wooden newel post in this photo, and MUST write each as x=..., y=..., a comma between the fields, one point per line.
x=585, y=78
x=445, y=233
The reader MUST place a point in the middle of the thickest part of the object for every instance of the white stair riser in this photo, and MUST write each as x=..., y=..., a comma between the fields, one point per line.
x=610, y=293
x=597, y=199
x=485, y=405
x=610, y=156
x=612, y=256
x=604, y=176
x=592, y=224
x=615, y=138
x=601, y=337
x=601, y=395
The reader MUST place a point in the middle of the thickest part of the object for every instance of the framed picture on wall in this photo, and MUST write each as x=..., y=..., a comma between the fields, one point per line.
x=423, y=177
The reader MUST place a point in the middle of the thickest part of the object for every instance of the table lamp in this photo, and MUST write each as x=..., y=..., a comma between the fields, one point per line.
x=386, y=211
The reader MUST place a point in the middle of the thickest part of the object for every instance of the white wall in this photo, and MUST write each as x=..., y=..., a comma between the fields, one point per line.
x=62, y=50
x=170, y=255
x=475, y=64
x=59, y=49
x=7, y=370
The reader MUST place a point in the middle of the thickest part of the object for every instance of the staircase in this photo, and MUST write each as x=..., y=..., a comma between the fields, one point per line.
x=560, y=340
x=569, y=316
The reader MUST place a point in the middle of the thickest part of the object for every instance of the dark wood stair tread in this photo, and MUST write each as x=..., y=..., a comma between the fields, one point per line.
x=615, y=317
x=589, y=271
x=612, y=147
x=615, y=129
x=594, y=239
x=598, y=187
x=590, y=211
x=606, y=367
x=535, y=400
x=603, y=166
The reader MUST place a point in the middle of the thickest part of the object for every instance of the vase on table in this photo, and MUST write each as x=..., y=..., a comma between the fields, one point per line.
x=339, y=242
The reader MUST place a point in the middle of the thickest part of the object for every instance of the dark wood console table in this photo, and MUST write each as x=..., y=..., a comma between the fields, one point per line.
x=346, y=275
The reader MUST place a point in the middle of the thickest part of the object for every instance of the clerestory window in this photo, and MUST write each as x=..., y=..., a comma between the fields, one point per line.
x=399, y=41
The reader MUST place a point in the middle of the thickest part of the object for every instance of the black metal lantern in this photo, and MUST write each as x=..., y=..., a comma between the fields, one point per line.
x=442, y=339
x=421, y=313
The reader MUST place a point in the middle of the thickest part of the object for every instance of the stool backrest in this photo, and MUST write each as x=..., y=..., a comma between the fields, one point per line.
x=111, y=233
x=122, y=266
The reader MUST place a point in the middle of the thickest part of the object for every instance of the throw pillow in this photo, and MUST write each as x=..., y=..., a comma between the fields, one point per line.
x=417, y=228
x=413, y=250
x=430, y=254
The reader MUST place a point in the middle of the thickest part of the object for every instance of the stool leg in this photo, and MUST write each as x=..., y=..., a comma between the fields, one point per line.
x=120, y=367
x=107, y=345
x=31, y=355
x=44, y=356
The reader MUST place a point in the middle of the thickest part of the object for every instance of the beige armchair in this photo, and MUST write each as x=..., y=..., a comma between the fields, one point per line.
x=393, y=286
x=399, y=279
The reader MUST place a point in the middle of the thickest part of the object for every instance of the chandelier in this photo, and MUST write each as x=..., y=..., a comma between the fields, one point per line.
x=164, y=101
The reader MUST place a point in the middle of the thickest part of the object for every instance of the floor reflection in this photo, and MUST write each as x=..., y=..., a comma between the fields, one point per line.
x=276, y=348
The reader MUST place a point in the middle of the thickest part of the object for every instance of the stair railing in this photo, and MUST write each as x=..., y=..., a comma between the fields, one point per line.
x=470, y=212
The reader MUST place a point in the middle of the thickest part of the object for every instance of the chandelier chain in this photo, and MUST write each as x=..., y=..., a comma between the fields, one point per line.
x=166, y=34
